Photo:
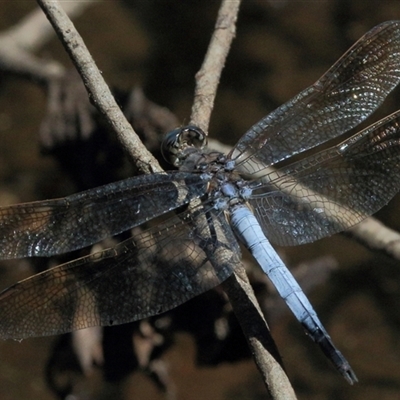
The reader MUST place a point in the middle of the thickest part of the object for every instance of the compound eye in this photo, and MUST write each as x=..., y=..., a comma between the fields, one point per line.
x=194, y=136
x=177, y=141
x=170, y=146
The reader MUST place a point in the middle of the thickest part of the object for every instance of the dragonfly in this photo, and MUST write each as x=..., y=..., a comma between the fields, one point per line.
x=276, y=185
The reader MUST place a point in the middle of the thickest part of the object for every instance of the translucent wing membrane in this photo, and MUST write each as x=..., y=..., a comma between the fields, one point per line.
x=332, y=190
x=150, y=273
x=349, y=92
x=45, y=228
x=189, y=253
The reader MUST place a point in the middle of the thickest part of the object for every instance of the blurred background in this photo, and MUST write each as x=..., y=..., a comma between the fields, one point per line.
x=281, y=47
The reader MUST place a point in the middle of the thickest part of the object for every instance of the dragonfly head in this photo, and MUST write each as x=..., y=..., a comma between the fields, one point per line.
x=180, y=142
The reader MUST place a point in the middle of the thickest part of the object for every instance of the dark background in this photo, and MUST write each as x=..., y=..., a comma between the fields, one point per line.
x=280, y=48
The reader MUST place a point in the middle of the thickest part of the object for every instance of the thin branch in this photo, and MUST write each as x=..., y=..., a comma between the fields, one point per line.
x=374, y=234
x=258, y=336
x=98, y=90
x=238, y=287
x=207, y=79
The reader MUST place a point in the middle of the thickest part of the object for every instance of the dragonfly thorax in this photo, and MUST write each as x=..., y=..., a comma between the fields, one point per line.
x=225, y=186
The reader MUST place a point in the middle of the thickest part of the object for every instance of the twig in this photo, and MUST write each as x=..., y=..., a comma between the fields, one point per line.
x=258, y=336
x=18, y=43
x=98, y=90
x=207, y=79
x=374, y=234
x=237, y=286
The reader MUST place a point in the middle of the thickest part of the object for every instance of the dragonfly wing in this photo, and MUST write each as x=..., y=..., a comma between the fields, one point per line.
x=50, y=227
x=353, y=88
x=152, y=272
x=332, y=190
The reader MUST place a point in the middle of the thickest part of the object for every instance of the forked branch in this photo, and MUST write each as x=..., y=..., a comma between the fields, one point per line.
x=238, y=287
